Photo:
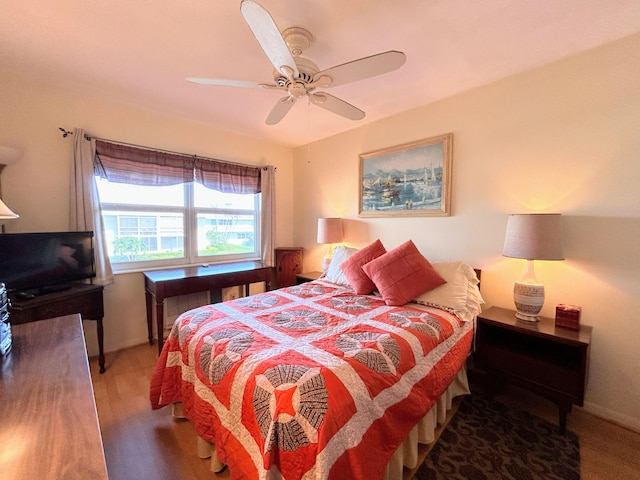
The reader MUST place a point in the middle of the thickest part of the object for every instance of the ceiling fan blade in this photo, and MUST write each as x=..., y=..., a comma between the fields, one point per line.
x=363, y=68
x=225, y=83
x=280, y=109
x=335, y=105
x=269, y=37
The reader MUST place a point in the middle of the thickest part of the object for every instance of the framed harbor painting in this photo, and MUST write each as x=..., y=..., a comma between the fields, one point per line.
x=410, y=180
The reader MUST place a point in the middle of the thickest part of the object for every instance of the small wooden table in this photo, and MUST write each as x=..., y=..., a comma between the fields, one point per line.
x=307, y=277
x=49, y=426
x=551, y=361
x=161, y=284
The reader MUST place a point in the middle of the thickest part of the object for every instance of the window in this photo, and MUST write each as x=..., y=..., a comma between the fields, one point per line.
x=157, y=211
x=150, y=226
x=226, y=222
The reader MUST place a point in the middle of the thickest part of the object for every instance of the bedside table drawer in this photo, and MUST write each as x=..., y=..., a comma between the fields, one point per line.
x=550, y=372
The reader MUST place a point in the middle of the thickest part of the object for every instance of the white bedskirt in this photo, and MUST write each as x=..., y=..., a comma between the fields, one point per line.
x=405, y=456
x=424, y=432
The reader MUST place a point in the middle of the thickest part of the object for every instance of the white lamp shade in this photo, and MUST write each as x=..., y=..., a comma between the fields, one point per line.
x=6, y=213
x=535, y=236
x=329, y=230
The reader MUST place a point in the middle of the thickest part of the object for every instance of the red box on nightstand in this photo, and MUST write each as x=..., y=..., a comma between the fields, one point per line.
x=568, y=316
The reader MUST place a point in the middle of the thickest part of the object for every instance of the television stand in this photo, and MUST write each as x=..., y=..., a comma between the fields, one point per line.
x=82, y=298
x=23, y=295
x=61, y=287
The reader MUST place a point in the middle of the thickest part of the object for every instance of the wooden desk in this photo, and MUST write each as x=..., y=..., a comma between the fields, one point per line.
x=161, y=284
x=49, y=427
x=85, y=299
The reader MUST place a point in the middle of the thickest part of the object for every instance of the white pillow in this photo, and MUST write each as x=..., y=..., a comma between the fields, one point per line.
x=334, y=273
x=460, y=294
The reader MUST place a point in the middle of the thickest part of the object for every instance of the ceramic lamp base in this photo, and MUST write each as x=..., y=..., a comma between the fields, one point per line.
x=528, y=299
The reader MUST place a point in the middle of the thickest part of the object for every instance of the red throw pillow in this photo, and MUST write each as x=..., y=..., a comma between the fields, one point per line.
x=352, y=267
x=402, y=274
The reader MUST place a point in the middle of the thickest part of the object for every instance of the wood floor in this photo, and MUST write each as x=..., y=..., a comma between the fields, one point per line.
x=143, y=444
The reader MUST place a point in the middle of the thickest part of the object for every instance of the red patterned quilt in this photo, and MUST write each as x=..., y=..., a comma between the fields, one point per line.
x=310, y=381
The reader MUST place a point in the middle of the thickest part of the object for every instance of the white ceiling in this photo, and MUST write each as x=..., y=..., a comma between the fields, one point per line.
x=140, y=52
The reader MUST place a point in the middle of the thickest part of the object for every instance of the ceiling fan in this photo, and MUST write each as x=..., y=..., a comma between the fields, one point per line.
x=298, y=76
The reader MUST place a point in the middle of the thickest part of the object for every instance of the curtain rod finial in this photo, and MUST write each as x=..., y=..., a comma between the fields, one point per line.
x=65, y=132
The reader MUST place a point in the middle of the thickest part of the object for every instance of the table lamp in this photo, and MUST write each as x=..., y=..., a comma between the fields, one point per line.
x=536, y=236
x=6, y=213
x=8, y=155
x=329, y=231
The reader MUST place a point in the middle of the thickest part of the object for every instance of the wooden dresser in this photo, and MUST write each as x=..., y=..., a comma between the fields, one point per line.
x=49, y=425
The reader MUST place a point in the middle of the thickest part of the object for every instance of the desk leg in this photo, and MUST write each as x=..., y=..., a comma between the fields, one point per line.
x=100, y=345
x=160, y=324
x=246, y=290
x=149, y=316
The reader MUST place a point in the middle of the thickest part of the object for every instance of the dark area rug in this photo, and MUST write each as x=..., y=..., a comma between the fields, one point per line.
x=489, y=440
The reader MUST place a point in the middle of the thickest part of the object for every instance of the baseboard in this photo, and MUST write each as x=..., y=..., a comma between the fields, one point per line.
x=623, y=421
x=125, y=347
x=611, y=416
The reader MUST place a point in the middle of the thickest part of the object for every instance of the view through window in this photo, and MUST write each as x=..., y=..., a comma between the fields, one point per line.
x=150, y=226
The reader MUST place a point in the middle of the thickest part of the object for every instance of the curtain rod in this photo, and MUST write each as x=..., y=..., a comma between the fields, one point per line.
x=66, y=133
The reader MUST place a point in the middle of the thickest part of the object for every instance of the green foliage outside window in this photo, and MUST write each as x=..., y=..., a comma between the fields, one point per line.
x=128, y=248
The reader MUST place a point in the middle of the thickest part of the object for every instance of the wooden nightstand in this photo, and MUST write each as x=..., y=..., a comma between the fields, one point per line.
x=551, y=361
x=307, y=277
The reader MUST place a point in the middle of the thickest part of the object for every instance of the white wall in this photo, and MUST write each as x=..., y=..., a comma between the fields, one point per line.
x=37, y=186
x=564, y=138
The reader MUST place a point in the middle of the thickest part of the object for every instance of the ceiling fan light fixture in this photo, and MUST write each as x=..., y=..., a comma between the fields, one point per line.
x=298, y=76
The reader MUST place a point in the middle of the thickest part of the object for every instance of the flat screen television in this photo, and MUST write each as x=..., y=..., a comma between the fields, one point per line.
x=43, y=262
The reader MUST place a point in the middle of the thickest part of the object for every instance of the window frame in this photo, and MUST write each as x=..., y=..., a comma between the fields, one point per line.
x=189, y=214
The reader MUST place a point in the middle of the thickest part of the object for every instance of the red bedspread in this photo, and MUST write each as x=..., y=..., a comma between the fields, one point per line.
x=308, y=382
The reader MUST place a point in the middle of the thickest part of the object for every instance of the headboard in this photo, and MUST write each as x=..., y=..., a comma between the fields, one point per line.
x=479, y=274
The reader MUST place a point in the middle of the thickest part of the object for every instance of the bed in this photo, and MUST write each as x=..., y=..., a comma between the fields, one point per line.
x=316, y=380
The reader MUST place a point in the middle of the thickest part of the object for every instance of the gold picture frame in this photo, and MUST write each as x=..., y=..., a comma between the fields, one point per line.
x=409, y=180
